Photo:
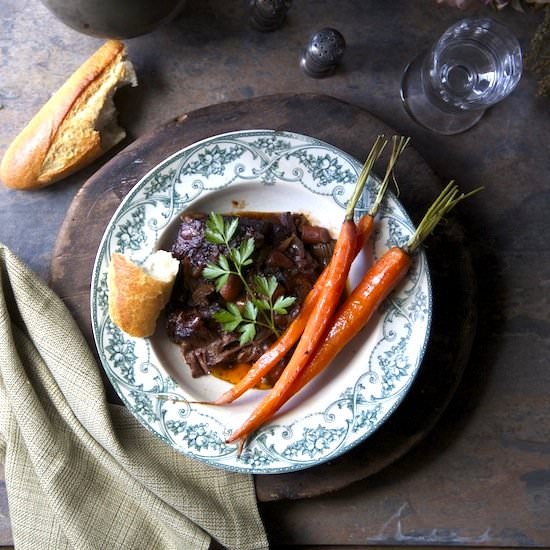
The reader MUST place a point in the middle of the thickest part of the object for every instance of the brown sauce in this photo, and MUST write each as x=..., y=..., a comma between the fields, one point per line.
x=287, y=247
x=234, y=373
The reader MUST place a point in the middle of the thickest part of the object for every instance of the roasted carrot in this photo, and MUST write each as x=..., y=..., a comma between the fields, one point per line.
x=377, y=284
x=379, y=281
x=282, y=346
x=365, y=224
x=291, y=335
x=317, y=323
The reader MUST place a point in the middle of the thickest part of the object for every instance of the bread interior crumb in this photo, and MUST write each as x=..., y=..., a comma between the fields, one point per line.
x=162, y=266
x=90, y=127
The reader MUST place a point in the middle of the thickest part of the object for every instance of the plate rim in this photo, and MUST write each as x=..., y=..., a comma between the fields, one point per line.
x=312, y=141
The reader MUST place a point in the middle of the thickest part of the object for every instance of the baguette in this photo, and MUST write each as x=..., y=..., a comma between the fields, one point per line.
x=75, y=126
x=137, y=294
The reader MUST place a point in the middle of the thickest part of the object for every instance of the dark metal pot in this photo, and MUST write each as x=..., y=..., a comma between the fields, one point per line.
x=114, y=18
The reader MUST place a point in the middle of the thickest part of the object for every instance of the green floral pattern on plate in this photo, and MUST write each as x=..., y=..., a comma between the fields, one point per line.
x=372, y=378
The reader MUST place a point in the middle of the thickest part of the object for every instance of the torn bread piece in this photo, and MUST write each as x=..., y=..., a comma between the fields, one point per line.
x=75, y=126
x=137, y=294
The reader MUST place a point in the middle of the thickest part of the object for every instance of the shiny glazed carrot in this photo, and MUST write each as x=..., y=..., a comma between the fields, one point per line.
x=379, y=281
x=353, y=315
x=377, y=284
x=365, y=225
x=364, y=229
x=293, y=332
x=316, y=325
x=324, y=306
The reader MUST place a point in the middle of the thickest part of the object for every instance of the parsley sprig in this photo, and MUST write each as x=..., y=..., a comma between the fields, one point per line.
x=260, y=308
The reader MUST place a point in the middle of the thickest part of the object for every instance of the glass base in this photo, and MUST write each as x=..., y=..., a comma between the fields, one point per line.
x=426, y=113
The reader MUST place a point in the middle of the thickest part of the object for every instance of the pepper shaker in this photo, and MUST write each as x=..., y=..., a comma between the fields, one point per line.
x=268, y=15
x=323, y=53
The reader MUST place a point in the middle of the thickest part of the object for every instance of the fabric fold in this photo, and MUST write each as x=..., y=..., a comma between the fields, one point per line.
x=82, y=473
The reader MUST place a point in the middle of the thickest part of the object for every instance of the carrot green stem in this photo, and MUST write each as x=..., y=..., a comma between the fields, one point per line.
x=374, y=153
x=398, y=146
x=445, y=202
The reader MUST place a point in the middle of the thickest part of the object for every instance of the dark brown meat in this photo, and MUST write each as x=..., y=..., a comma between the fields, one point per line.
x=279, y=251
x=190, y=246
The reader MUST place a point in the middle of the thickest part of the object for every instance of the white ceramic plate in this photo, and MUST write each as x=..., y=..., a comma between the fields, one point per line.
x=262, y=170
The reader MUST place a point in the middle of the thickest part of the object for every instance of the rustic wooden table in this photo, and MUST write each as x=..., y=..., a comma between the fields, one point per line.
x=481, y=477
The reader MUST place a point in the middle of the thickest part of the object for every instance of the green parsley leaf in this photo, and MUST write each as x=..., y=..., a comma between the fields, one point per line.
x=250, y=311
x=248, y=333
x=213, y=236
x=213, y=271
x=230, y=228
x=215, y=222
x=214, y=232
x=229, y=318
x=282, y=303
x=258, y=308
x=262, y=305
x=266, y=286
x=245, y=250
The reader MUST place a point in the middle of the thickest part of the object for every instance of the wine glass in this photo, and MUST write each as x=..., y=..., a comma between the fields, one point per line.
x=476, y=63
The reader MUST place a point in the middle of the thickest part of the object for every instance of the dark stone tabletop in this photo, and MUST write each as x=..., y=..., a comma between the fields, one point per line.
x=481, y=477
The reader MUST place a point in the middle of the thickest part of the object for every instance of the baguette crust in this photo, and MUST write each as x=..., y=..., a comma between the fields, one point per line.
x=135, y=297
x=62, y=137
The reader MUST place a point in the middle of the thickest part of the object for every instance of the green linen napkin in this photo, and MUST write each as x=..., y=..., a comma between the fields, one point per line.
x=84, y=474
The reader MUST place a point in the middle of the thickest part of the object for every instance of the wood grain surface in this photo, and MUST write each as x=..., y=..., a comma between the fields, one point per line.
x=481, y=476
x=352, y=129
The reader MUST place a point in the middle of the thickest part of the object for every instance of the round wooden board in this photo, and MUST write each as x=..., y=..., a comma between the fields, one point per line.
x=353, y=130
